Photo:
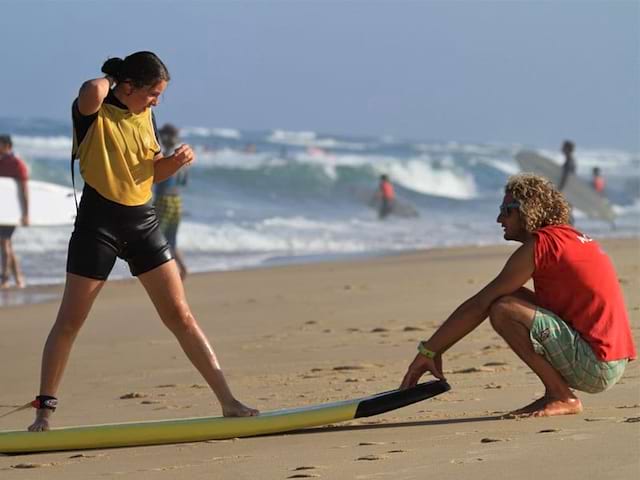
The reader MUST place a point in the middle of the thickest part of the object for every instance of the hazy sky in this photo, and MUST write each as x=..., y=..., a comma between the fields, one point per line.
x=530, y=72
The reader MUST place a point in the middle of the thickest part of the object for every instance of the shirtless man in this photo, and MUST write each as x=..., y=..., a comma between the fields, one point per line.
x=572, y=331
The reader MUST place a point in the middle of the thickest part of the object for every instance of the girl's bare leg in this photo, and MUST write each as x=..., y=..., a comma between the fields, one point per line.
x=165, y=289
x=79, y=295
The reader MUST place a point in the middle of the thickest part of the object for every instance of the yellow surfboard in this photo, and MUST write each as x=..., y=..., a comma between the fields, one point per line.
x=213, y=428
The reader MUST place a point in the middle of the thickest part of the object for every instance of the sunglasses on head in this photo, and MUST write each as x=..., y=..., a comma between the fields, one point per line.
x=505, y=208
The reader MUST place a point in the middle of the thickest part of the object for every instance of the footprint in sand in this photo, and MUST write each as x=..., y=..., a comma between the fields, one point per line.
x=341, y=368
x=409, y=328
x=492, y=386
x=367, y=444
x=127, y=396
x=632, y=420
x=474, y=370
x=85, y=455
x=371, y=458
x=493, y=440
x=549, y=430
x=32, y=465
x=379, y=330
x=167, y=385
x=304, y=468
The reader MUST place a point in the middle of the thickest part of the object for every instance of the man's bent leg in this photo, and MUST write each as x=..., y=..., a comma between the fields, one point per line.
x=512, y=318
x=79, y=295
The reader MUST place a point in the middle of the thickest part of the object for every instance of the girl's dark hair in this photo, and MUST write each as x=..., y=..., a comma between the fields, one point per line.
x=142, y=69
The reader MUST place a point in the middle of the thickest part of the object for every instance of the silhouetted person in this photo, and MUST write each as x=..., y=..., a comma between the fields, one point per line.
x=569, y=165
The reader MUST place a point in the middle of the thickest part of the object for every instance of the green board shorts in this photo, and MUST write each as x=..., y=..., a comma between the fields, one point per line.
x=571, y=355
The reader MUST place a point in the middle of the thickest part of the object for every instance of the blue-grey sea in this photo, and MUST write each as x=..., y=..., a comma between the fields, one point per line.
x=261, y=198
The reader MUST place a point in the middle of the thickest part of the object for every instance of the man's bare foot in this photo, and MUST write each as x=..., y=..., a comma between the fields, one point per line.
x=20, y=283
x=41, y=423
x=570, y=406
x=238, y=409
x=4, y=284
x=548, y=407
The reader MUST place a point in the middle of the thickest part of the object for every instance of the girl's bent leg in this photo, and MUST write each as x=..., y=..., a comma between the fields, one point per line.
x=165, y=289
x=79, y=295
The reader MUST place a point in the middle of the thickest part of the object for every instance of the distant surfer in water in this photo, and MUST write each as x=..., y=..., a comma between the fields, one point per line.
x=597, y=180
x=568, y=169
x=386, y=197
x=120, y=159
x=13, y=167
x=572, y=331
x=569, y=165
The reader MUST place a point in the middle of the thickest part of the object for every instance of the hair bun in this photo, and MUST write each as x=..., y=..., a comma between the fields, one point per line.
x=112, y=67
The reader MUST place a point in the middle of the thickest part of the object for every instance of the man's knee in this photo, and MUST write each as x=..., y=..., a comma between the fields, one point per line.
x=501, y=311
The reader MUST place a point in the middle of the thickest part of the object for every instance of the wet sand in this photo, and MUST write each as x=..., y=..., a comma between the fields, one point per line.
x=305, y=334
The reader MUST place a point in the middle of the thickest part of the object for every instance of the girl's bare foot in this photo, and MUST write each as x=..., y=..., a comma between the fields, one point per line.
x=238, y=409
x=41, y=423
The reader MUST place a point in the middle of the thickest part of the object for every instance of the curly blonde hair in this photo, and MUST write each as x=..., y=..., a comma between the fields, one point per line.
x=541, y=204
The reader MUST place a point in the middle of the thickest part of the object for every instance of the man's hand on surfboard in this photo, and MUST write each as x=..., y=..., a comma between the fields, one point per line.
x=419, y=366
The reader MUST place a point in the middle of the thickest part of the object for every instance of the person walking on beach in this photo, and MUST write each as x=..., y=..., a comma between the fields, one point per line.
x=116, y=142
x=167, y=199
x=13, y=167
x=386, y=196
x=572, y=331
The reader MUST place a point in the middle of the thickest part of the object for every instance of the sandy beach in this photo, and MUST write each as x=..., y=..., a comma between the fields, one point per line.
x=306, y=334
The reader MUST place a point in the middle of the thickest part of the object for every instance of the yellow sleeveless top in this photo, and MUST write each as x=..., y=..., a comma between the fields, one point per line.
x=116, y=155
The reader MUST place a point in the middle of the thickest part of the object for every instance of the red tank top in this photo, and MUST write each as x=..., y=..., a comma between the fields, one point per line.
x=576, y=280
x=387, y=190
x=598, y=184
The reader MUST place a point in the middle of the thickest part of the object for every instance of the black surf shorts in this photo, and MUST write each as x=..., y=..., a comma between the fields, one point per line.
x=6, y=231
x=105, y=230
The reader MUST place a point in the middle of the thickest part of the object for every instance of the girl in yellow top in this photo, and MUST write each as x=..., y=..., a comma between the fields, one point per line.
x=120, y=159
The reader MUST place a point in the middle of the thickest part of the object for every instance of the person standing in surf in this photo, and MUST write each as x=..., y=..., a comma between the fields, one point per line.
x=13, y=167
x=167, y=199
x=386, y=196
x=569, y=165
x=572, y=331
x=120, y=159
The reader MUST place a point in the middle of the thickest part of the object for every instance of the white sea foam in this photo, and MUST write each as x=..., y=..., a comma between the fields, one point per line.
x=231, y=133
x=421, y=176
x=58, y=147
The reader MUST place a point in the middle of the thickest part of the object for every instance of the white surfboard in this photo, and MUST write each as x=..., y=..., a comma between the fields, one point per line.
x=49, y=204
x=160, y=432
x=577, y=192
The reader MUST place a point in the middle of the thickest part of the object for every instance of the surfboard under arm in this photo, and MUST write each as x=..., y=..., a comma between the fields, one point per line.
x=214, y=428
